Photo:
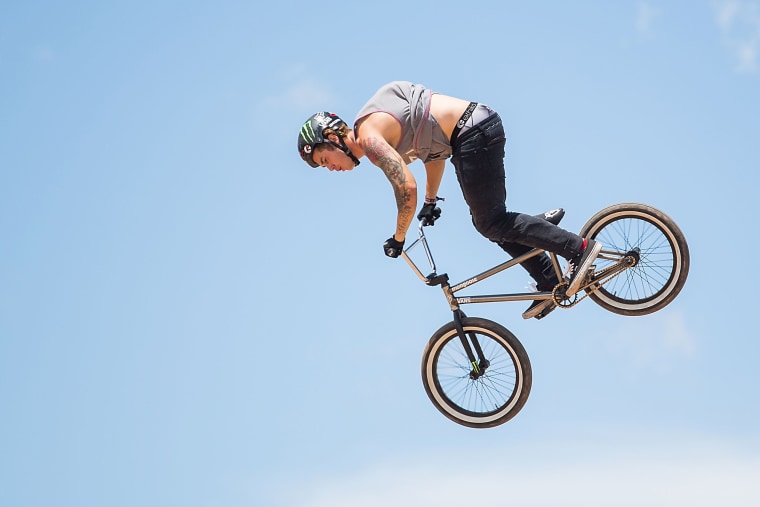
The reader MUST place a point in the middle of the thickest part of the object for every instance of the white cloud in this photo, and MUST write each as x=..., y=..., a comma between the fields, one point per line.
x=725, y=12
x=739, y=22
x=646, y=15
x=300, y=90
x=687, y=473
x=655, y=341
x=306, y=94
x=44, y=53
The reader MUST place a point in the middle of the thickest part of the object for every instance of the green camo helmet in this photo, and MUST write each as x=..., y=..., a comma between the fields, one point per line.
x=312, y=134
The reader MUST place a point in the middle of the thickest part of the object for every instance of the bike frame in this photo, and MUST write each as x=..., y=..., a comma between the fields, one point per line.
x=470, y=343
x=623, y=262
x=434, y=279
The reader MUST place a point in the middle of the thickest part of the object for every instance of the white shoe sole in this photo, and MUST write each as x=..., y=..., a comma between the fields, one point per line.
x=580, y=275
x=537, y=310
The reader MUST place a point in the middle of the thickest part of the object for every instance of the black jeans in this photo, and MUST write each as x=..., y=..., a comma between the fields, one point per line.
x=478, y=158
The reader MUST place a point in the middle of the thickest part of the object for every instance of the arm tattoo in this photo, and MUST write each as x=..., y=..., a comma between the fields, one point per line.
x=389, y=161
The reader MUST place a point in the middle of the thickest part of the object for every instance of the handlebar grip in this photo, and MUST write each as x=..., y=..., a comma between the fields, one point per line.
x=392, y=252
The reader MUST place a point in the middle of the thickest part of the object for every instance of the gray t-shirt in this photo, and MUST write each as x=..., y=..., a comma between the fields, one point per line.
x=421, y=136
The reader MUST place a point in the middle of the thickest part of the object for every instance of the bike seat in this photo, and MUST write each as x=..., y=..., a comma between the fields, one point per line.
x=554, y=216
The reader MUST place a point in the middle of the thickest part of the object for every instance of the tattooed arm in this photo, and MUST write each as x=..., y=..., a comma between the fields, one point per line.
x=380, y=153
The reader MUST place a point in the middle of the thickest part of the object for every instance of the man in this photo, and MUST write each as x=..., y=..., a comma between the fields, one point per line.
x=405, y=121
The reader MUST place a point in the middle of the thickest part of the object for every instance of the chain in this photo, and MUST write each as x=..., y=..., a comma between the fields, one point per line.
x=602, y=277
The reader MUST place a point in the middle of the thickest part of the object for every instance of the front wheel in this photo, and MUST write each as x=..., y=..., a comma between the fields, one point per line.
x=492, y=396
x=662, y=267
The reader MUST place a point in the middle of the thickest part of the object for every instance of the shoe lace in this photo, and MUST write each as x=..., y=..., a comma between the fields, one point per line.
x=569, y=270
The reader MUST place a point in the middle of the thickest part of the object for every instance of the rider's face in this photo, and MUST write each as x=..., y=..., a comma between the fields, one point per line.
x=327, y=155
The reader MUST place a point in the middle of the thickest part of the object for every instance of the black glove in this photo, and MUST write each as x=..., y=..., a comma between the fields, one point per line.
x=392, y=247
x=429, y=214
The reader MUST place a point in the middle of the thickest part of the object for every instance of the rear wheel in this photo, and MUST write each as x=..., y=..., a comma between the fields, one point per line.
x=490, y=397
x=663, y=265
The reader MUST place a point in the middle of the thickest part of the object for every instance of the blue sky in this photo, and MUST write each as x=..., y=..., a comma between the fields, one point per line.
x=189, y=315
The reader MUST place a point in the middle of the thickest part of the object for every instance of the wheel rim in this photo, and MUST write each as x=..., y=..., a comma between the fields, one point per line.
x=484, y=399
x=653, y=278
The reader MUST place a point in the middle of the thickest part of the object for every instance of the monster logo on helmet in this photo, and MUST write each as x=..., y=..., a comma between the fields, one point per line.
x=312, y=134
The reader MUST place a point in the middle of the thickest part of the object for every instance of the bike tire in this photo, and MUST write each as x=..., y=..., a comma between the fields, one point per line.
x=493, y=398
x=663, y=265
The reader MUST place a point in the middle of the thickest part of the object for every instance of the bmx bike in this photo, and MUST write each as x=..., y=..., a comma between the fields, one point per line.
x=478, y=374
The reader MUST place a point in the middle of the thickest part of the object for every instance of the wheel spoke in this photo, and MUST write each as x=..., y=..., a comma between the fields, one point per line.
x=490, y=398
x=663, y=263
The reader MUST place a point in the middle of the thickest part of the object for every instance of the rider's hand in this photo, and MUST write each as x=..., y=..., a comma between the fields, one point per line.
x=429, y=214
x=393, y=248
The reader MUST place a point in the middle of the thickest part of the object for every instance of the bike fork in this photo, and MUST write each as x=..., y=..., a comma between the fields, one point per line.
x=469, y=341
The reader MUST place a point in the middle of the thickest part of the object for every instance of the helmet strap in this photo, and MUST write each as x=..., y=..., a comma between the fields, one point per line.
x=344, y=148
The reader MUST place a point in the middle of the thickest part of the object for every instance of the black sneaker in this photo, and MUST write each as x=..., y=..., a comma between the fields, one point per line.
x=539, y=309
x=553, y=217
x=578, y=266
